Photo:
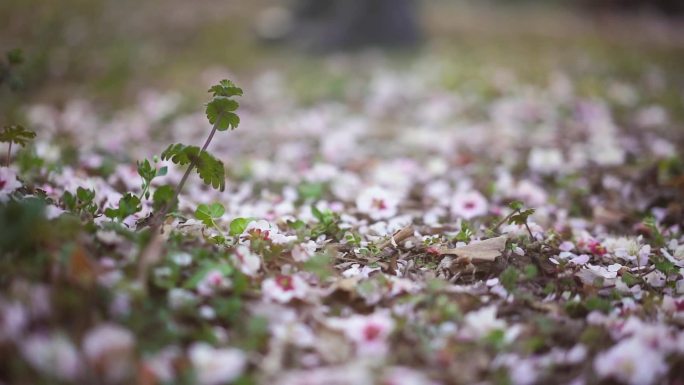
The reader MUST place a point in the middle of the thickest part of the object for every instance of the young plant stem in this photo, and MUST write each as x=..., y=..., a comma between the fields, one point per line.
x=528, y=230
x=9, y=154
x=159, y=217
x=501, y=222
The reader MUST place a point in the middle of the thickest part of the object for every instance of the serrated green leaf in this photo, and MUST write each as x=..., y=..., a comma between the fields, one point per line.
x=180, y=154
x=210, y=169
x=220, y=113
x=521, y=218
x=226, y=88
x=128, y=205
x=16, y=134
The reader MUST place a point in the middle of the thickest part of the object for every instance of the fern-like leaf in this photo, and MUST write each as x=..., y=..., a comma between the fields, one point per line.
x=210, y=169
x=226, y=88
x=16, y=134
x=180, y=154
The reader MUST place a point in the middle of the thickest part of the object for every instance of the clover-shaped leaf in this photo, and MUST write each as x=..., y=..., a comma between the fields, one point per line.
x=238, y=225
x=207, y=213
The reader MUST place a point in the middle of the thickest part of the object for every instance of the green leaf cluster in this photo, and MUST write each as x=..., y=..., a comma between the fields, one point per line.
x=465, y=233
x=327, y=223
x=129, y=204
x=148, y=172
x=521, y=217
x=656, y=236
x=221, y=109
x=81, y=203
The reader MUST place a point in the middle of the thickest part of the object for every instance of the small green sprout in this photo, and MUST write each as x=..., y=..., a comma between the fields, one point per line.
x=220, y=111
x=519, y=216
x=147, y=172
x=15, y=134
x=128, y=205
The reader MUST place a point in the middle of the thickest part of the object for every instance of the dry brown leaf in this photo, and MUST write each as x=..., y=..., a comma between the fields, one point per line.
x=483, y=251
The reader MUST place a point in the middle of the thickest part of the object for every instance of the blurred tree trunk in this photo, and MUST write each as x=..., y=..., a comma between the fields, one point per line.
x=668, y=7
x=335, y=24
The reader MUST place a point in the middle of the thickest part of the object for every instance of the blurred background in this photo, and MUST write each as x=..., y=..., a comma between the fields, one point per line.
x=110, y=50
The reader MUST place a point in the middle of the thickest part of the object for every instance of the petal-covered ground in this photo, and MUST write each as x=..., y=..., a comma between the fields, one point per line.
x=406, y=232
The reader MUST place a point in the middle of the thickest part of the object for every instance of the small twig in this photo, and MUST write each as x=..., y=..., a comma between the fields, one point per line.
x=501, y=222
x=398, y=237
